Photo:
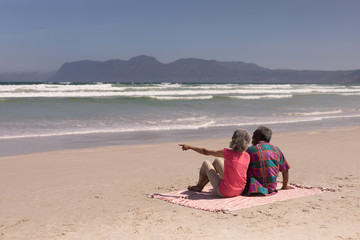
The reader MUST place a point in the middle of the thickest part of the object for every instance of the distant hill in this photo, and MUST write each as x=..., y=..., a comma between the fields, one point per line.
x=354, y=76
x=148, y=69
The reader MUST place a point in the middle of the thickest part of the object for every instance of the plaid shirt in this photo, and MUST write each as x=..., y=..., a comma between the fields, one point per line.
x=266, y=161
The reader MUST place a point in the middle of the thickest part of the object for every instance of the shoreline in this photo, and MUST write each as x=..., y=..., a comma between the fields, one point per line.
x=21, y=146
x=102, y=192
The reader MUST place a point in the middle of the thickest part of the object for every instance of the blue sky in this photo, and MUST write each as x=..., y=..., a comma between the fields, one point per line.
x=40, y=35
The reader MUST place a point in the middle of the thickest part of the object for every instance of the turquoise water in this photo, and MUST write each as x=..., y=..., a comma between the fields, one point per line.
x=39, y=111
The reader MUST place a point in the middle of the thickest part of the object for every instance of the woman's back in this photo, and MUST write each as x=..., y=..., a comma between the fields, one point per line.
x=235, y=170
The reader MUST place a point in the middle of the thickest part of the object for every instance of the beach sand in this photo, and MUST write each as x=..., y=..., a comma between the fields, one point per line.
x=101, y=193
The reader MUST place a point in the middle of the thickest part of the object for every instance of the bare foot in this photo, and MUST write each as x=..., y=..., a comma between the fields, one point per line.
x=195, y=188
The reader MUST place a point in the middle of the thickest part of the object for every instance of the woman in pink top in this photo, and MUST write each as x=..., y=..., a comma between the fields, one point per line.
x=227, y=175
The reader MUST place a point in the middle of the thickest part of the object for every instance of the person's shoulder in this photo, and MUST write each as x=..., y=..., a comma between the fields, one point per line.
x=251, y=149
x=273, y=148
x=227, y=151
x=245, y=154
x=230, y=151
x=269, y=144
x=263, y=146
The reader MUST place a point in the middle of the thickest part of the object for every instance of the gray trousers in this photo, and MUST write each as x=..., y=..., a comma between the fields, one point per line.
x=212, y=172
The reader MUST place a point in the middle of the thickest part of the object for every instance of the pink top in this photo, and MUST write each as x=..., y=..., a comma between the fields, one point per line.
x=235, y=169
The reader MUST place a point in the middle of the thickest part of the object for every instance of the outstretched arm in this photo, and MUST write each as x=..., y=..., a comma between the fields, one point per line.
x=204, y=151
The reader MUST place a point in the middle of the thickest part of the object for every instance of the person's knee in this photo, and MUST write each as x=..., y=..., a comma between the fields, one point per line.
x=219, y=166
x=206, y=164
x=217, y=161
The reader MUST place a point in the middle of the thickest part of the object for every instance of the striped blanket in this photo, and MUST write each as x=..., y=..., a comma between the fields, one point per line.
x=208, y=201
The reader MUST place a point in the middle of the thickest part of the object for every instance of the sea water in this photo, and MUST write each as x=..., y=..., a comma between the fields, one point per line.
x=97, y=114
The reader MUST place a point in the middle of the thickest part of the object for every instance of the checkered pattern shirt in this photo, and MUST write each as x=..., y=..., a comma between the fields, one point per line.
x=266, y=161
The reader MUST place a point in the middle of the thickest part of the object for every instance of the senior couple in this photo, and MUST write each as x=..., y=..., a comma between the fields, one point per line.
x=240, y=170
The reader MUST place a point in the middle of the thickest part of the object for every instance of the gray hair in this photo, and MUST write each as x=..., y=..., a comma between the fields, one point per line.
x=240, y=140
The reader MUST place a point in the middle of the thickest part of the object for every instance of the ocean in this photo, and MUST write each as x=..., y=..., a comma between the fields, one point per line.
x=51, y=116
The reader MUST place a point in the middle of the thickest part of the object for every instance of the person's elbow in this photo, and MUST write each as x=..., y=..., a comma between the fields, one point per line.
x=206, y=152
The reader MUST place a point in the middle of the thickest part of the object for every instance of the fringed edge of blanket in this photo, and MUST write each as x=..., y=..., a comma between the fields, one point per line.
x=310, y=187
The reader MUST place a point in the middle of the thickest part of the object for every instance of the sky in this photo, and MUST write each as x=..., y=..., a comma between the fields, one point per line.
x=41, y=35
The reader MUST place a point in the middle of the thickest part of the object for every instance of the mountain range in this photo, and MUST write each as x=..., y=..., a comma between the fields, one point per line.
x=148, y=69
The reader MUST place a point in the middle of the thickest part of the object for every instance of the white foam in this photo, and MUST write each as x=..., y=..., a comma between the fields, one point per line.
x=343, y=116
x=168, y=91
x=182, y=97
x=315, y=113
x=350, y=94
x=115, y=130
x=269, y=86
x=149, y=93
x=270, y=96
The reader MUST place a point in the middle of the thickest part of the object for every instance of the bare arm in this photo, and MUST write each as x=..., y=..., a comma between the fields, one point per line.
x=204, y=151
x=285, y=176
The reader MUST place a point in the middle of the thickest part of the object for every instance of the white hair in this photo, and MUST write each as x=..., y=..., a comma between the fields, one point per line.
x=240, y=140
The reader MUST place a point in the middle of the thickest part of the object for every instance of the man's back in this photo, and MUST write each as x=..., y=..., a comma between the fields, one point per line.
x=266, y=160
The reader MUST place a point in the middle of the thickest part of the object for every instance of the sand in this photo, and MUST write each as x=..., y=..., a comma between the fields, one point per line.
x=101, y=193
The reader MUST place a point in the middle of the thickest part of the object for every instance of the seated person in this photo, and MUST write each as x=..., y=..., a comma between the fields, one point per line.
x=266, y=160
x=228, y=175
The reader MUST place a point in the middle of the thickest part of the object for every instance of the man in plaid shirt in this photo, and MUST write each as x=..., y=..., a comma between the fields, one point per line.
x=266, y=160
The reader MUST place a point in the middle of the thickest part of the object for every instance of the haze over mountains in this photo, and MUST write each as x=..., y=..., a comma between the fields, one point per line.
x=26, y=77
x=148, y=69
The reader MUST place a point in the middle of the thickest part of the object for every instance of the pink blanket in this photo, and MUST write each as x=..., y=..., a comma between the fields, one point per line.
x=208, y=201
